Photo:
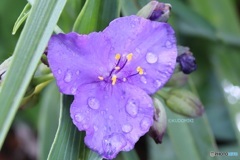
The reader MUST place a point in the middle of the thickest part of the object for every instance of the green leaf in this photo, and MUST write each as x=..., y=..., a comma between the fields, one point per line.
x=23, y=16
x=48, y=119
x=96, y=15
x=68, y=142
x=31, y=44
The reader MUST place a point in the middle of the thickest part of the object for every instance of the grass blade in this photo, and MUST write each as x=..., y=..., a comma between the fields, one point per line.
x=31, y=44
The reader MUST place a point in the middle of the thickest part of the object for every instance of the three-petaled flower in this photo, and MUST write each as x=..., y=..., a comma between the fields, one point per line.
x=111, y=74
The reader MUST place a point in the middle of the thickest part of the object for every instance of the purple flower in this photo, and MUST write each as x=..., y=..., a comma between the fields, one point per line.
x=111, y=74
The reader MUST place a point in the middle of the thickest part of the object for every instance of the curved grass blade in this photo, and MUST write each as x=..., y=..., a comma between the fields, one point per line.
x=48, y=121
x=23, y=16
x=68, y=142
x=31, y=44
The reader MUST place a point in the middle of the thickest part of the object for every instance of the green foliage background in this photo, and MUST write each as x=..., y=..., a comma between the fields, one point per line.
x=211, y=28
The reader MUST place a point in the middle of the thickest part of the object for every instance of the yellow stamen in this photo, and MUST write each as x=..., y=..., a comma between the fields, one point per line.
x=100, y=78
x=117, y=67
x=114, y=79
x=129, y=56
x=117, y=56
x=139, y=70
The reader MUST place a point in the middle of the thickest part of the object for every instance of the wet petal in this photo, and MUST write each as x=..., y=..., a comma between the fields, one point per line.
x=78, y=59
x=153, y=45
x=114, y=117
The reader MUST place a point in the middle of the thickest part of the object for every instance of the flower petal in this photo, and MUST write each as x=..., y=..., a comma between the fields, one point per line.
x=153, y=45
x=114, y=117
x=78, y=59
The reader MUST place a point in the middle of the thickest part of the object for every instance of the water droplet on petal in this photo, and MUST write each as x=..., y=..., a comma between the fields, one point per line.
x=132, y=107
x=77, y=72
x=78, y=117
x=95, y=128
x=151, y=57
x=143, y=79
x=157, y=83
x=127, y=128
x=85, y=126
x=59, y=71
x=111, y=117
x=133, y=25
x=68, y=77
x=137, y=50
x=168, y=44
x=93, y=103
x=145, y=123
x=112, y=144
x=73, y=90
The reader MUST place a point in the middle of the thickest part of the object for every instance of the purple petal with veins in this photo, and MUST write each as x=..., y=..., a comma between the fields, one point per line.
x=111, y=74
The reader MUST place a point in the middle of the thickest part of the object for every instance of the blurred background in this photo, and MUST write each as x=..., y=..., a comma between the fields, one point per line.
x=210, y=28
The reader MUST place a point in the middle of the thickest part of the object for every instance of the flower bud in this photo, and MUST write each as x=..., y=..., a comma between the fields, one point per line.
x=4, y=67
x=156, y=11
x=184, y=102
x=160, y=122
x=186, y=60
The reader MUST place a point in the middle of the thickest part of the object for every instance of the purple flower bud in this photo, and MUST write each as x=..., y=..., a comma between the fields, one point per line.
x=187, y=63
x=156, y=11
x=160, y=122
x=161, y=12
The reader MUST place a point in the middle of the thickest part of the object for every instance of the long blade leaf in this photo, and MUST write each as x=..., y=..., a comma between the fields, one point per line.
x=31, y=44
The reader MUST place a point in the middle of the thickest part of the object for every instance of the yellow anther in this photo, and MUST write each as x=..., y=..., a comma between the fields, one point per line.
x=100, y=78
x=140, y=70
x=117, y=67
x=117, y=56
x=114, y=79
x=129, y=56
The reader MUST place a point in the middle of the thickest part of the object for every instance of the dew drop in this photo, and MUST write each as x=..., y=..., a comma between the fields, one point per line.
x=112, y=144
x=110, y=117
x=93, y=103
x=127, y=128
x=73, y=90
x=145, y=123
x=85, y=126
x=132, y=107
x=78, y=117
x=168, y=44
x=137, y=50
x=151, y=58
x=133, y=25
x=68, y=77
x=95, y=128
x=143, y=79
x=59, y=71
x=77, y=72
x=157, y=83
